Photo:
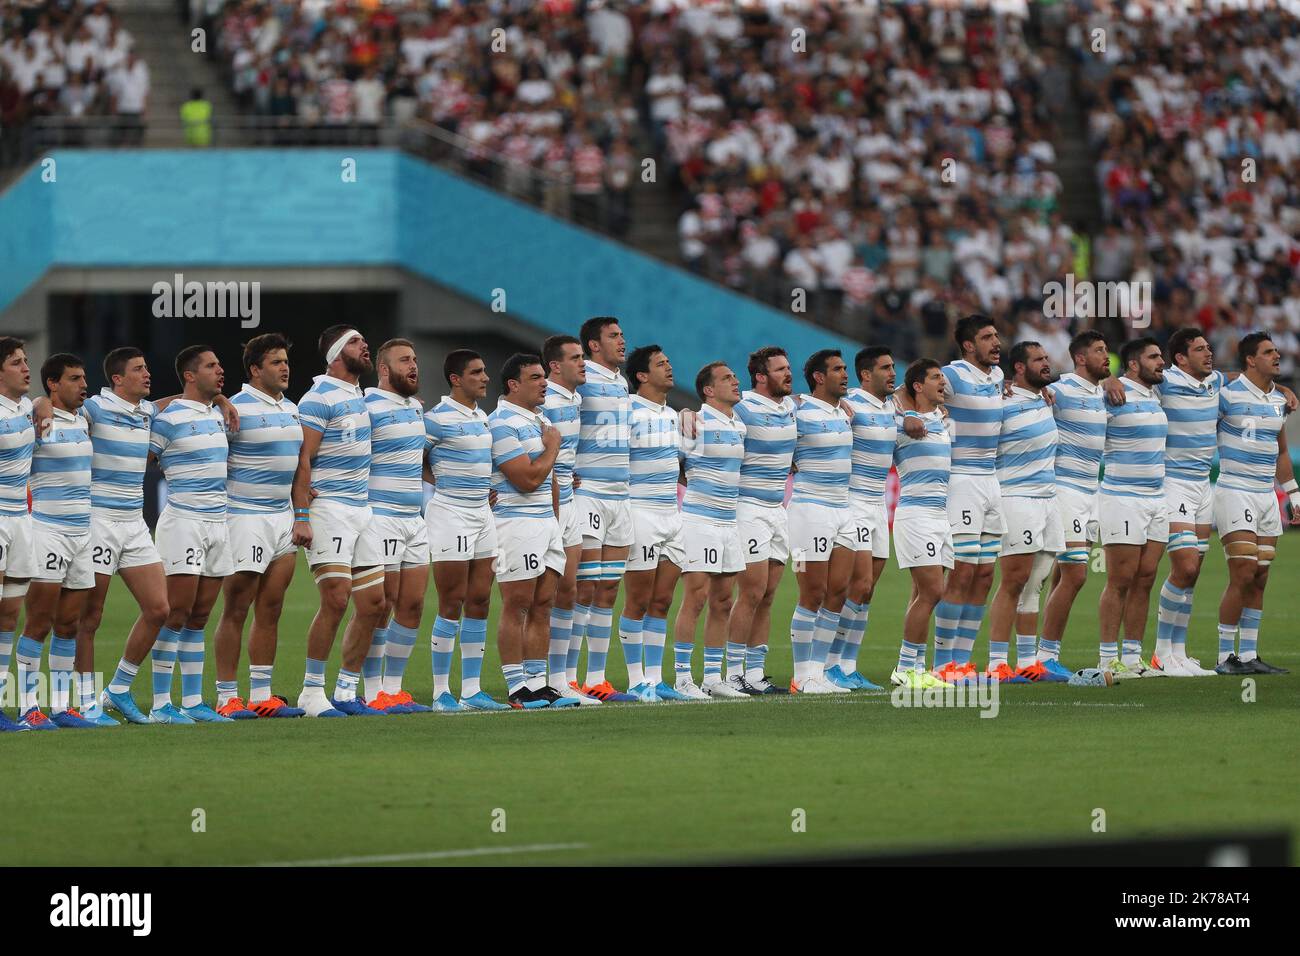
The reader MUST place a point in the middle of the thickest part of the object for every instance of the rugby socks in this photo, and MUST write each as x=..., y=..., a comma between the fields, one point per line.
x=87, y=699
x=1049, y=650
x=1026, y=649
x=164, y=662
x=654, y=635
x=853, y=622
x=514, y=675
x=535, y=674
x=1183, y=621
x=226, y=689
x=907, y=654
x=600, y=621
x=372, y=669
x=1172, y=602
x=123, y=677
x=6, y=654
x=997, y=653
x=1132, y=651
x=755, y=663
x=441, y=645
x=630, y=635
x=191, y=655
x=29, y=672
x=946, y=618
x=712, y=665
x=1249, y=626
x=473, y=642
x=557, y=650
x=682, y=659
x=581, y=614
x=735, y=659
x=313, y=679
x=1109, y=651
x=1227, y=641
x=397, y=652
x=62, y=651
x=345, y=685
x=802, y=626
x=968, y=629
x=259, y=682
x=823, y=638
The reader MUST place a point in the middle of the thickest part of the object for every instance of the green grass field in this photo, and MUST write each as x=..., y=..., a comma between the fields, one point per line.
x=678, y=782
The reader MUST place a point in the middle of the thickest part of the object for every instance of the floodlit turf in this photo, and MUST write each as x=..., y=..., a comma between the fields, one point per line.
x=677, y=782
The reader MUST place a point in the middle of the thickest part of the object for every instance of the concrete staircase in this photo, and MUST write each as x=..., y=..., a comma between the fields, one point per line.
x=162, y=39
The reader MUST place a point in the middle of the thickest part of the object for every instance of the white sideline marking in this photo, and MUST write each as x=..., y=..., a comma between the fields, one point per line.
x=432, y=855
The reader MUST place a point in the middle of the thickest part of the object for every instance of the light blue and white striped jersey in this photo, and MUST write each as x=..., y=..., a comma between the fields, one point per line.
x=924, y=464
x=340, y=470
x=974, y=401
x=874, y=432
x=119, y=434
x=189, y=440
x=770, y=435
x=1080, y=410
x=713, y=459
x=823, y=454
x=1192, y=407
x=1027, y=446
x=654, y=453
x=1134, y=457
x=61, y=474
x=459, y=453
x=397, y=442
x=263, y=453
x=17, y=439
x=1249, y=422
x=563, y=409
x=602, y=455
x=517, y=431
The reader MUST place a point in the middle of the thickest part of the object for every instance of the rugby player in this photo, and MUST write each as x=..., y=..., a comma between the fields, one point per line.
x=17, y=559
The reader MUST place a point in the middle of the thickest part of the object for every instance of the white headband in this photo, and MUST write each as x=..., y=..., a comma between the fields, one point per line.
x=339, y=345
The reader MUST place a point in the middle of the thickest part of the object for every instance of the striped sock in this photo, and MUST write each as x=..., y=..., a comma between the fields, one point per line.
x=735, y=659
x=600, y=622
x=514, y=675
x=853, y=621
x=1049, y=650
x=654, y=635
x=535, y=674
x=259, y=682
x=997, y=653
x=1227, y=641
x=1109, y=651
x=123, y=677
x=473, y=643
x=1026, y=649
x=1132, y=651
x=441, y=645
x=946, y=618
x=1182, y=621
x=755, y=660
x=62, y=651
x=6, y=653
x=557, y=649
x=397, y=652
x=968, y=630
x=581, y=615
x=629, y=635
x=682, y=659
x=313, y=679
x=907, y=655
x=164, y=662
x=712, y=664
x=1171, y=603
x=823, y=638
x=919, y=663
x=29, y=672
x=1249, y=627
x=226, y=689
x=801, y=639
x=191, y=656
x=345, y=685
x=372, y=668
x=87, y=691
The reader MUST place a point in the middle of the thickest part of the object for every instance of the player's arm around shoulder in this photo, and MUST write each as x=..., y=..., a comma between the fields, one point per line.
x=301, y=492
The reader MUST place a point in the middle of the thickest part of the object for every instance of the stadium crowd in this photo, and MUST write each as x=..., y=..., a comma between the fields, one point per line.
x=69, y=59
